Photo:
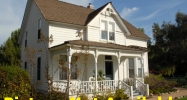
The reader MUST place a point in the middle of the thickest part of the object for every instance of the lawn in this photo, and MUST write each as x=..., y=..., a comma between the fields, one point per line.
x=183, y=98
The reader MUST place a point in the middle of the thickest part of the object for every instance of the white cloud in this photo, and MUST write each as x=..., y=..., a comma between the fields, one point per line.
x=169, y=5
x=126, y=12
x=150, y=16
x=79, y=2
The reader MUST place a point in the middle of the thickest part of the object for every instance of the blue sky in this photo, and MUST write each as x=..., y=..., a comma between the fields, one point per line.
x=141, y=13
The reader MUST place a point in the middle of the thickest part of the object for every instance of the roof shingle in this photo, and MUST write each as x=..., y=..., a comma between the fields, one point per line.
x=59, y=11
x=103, y=45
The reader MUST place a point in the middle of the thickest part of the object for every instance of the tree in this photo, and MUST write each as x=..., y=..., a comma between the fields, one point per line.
x=170, y=49
x=10, y=50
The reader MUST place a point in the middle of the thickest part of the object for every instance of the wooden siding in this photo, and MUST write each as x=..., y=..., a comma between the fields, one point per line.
x=32, y=38
x=61, y=33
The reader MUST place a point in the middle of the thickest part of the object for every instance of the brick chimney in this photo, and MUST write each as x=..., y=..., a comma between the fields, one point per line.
x=90, y=6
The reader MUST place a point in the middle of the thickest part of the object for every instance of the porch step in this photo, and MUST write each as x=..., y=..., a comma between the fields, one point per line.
x=136, y=93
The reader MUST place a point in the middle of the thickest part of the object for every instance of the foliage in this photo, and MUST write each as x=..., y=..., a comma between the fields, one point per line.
x=157, y=84
x=10, y=50
x=169, y=50
x=119, y=94
x=14, y=81
x=83, y=97
x=100, y=75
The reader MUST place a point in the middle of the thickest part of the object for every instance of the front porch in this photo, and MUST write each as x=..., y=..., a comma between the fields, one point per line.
x=120, y=67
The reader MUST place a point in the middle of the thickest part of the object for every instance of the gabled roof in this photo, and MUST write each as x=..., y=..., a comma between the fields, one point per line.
x=59, y=11
x=103, y=45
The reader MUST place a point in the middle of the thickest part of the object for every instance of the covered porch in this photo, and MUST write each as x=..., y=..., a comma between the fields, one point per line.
x=120, y=65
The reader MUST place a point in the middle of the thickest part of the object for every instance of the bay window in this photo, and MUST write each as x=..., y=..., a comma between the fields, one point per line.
x=107, y=30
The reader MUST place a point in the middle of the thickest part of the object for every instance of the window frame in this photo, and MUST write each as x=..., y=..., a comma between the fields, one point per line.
x=108, y=33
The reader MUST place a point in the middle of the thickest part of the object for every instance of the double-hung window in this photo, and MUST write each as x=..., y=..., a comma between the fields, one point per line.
x=107, y=30
x=104, y=30
x=111, y=31
x=39, y=27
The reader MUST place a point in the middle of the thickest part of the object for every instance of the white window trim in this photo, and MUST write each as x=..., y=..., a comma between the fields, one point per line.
x=108, y=40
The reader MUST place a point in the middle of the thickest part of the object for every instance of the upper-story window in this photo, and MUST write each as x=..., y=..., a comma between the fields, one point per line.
x=107, y=30
x=39, y=27
x=104, y=30
x=26, y=39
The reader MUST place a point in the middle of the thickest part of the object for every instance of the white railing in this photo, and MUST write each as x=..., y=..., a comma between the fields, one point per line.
x=141, y=87
x=60, y=86
x=81, y=87
x=128, y=89
x=107, y=85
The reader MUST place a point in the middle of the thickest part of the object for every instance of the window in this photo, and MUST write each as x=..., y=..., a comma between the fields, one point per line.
x=63, y=71
x=39, y=27
x=111, y=31
x=139, y=72
x=107, y=30
x=74, y=71
x=104, y=30
x=108, y=57
x=131, y=68
x=26, y=39
x=38, y=68
x=25, y=65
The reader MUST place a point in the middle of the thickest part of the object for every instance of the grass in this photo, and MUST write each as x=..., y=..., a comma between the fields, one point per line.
x=185, y=98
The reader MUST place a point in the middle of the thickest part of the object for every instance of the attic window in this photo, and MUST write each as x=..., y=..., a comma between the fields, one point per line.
x=109, y=9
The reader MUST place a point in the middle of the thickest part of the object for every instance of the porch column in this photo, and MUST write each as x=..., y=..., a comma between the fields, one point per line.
x=68, y=67
x=142, y=60
x=96, y=74
x=118, y=69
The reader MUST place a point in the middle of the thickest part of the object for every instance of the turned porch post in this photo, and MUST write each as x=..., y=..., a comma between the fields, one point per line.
x=96, y=55
x=118, y=68
x=68, y=69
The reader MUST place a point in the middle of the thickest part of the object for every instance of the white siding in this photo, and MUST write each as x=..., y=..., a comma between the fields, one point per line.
x=32, y=38
x=136, y=42
x=63, y=33
x=93, y=33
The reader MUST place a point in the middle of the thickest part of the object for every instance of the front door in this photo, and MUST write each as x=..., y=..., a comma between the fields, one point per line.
x=109, y=70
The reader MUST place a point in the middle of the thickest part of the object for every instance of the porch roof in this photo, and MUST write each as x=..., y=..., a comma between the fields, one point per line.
x=104, y=45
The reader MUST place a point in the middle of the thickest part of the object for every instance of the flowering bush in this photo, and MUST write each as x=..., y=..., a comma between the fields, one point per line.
x=157, y=84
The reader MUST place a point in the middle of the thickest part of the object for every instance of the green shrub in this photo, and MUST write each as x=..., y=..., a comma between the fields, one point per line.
x=120, y=94
x=83, y=97
x=14, y=81
x=157, y=84
x=55, y=95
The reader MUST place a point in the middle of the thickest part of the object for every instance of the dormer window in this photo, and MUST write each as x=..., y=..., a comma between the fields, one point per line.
x=107, y=30
x=39, y=27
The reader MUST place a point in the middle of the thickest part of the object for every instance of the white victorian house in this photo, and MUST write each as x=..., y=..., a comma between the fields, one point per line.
x=115, y=46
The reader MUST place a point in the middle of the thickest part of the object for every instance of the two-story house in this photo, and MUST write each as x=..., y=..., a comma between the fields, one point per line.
x=115, y=46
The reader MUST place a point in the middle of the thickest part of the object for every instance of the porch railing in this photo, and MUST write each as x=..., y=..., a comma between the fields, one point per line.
x=141, y=87
x=128, y=89
x=82, y=87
